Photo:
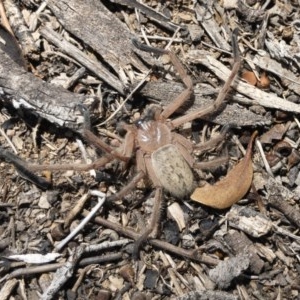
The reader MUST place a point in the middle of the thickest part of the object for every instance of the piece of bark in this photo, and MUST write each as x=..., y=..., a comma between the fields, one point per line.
x=241, y=244
x=22, y=90
x=90, y=63
x=209, y=23
x=91, y=22
x=226, y=271
x=278, y=198
x=204, y=94
x=248, y=220
x=20, y=28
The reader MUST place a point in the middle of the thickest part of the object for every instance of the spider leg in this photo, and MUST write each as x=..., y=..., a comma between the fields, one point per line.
x=92, y=139
x=223, y=92
x=153, y=222
x=128, y=187
x=23, y=170
x=184, y=95
x=209, y=165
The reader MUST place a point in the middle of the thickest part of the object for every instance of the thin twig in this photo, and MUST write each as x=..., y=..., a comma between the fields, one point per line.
x=9, y=141
x=101, y=198
x=191, y=254
x=262, y=154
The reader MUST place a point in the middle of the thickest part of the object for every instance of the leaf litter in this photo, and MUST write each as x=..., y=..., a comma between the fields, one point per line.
x=232, y=187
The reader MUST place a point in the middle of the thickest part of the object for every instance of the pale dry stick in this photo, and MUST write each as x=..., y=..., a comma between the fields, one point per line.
x=35, y=15
x=216, y=48
x=21, y=272
x=63, y=274
x=84, y=155
x=265, y=4
x=74, y=78
x=175, y=282
x=263, y=156
x=284, y=232
x=162, y=38
x=298, y=124
x=295, y=253
x=66, y=271
x=4, y=19
x=9, y=141
x=8, y=288
x=109, y=134
x=82, y=273
x=101, y=198
x=172, y=39
x=94, y=66
x=144, y=36
x=106, y=245
x=238, y=143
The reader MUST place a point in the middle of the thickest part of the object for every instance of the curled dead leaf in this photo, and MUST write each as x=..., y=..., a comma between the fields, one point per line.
x=250, y=77
x=232, y=187
x=264, y=82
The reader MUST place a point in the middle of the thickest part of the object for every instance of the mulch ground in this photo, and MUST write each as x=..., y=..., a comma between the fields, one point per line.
x=80, y=52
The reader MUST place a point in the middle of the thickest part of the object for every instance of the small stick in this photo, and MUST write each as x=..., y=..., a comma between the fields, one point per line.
x=101, y=198
x=191, y=254
x=262, y=154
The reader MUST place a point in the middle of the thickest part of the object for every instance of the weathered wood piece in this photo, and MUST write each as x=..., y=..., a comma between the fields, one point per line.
x=20, y=28
x=96, y=26
x=226, y=271
x=90, y=63
x=23, y=90
x=241, y=245
x=211, y=26
x=204, y=94
x=278, y=198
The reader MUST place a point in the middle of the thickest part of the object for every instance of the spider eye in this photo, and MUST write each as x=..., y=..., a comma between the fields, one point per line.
x=139, y=123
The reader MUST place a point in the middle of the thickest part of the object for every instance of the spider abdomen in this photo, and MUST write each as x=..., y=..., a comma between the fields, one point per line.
x=173, y=171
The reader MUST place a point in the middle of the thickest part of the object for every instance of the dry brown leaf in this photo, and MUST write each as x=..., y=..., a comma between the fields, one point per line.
x=232, y=187
x=264, y=82
x=250, y=77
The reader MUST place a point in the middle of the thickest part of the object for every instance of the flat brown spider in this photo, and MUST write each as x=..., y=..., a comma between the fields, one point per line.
x=161, y=154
